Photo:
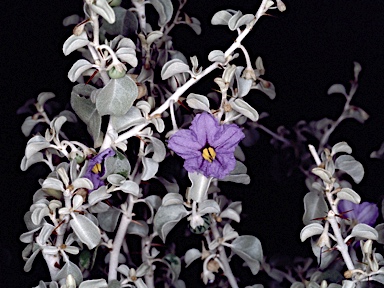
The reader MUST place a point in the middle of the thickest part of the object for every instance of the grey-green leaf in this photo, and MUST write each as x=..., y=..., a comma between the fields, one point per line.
x=102, y=8
x=216, y=56
x=349, y=194
x=245, y=109
x=108, y=219
x=314, y=207
x=249, y=248
x=117, y=96
x=165, y=10
x=75, y=42
x=337, y=88
x=197, y=101
x=364, y=231
x=221, y=18
x=131, y=118
x=139, y=227
x=86, y=231
x=350, y=166
x=78, y=68
x=167, y=217
x=100, y=283
x=341, y=147
x=173, y=67
x=150, y=168
x=70, y=268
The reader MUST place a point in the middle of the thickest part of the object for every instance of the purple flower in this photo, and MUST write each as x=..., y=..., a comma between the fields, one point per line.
x=207, y=147
x=365, y=212
x=95, y=170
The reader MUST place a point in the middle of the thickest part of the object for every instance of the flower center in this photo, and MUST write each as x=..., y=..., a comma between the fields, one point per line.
x=97, y=168
x=209, y=154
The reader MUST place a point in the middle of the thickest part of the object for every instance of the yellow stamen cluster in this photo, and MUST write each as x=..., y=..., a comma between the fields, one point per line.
x=97, y=168
x=209, y=154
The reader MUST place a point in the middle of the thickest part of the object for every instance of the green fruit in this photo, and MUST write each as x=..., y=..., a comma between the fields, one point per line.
x=114, y=74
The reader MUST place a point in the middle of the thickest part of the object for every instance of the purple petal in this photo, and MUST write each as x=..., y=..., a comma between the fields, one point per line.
x=367, y=213
x=227, y=140
x=345, y=205
x=184, y=143
x=205, y=127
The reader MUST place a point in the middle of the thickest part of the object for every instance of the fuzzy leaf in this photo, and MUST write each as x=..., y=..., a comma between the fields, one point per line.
x=131, y=118
x=239, y=19
x=173, y=67
x=364, y=231
x=150, y=168
x=78, y=68
x=197, y=101
x=216, y=56
x=323, y=174
x=244, y=108
x=75, y=42
x=125, y=23
x=102, y=8
x=117, y=96
x=130, y=187
x=314, y=207
x=221, y=18
x=165, y=10
x=69, y=268
x=349, y=165
x=167, y=217
x=44, y=97
x=139, y=227
x=349, y=194
x=249, y=248
x=100, y=283
x=341, y=147
x=337, y=88
x=86, y=231
x=191, y=255
x=311, y=230
x=108, y=219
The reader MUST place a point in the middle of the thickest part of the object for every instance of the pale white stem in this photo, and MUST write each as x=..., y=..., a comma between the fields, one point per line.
x=118, y=242
x=315, y=156
x=247, y=58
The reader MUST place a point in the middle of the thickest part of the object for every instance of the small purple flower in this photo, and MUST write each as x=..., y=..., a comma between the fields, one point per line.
x=207, y=147
x=364, y=212
x=95, y=170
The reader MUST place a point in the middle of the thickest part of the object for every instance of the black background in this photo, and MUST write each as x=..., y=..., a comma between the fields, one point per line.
x=305, y=50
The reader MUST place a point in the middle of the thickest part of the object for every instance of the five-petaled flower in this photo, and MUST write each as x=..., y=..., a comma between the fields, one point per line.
x=364, y=212
x=95, y=169
x=207, y=147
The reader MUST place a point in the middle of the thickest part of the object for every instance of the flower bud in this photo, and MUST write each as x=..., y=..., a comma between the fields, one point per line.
x=281, y=6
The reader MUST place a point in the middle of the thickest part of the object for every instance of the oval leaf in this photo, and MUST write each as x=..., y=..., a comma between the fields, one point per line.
x=172, y=68
x=311, y=230
x=86, y=231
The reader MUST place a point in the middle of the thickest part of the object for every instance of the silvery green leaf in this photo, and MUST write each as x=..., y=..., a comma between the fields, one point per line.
x=114, y=283
x=35, y=158
x=130, y=187
x=98, y=195
x=249, y=249
x=341, y=147
x=364, y=231
x=86, y=231
x=197, y=101
x=153, y=36
x=127, y=55
x=311, y=230
x=165, y=10
x=52, y=184
x=158, y=123
x=144, y=106
x=216, y=56
x=29, y=237
x=348, y=284
x=139, y=227
x=337, y=88
x=172, y=199
x=195, y=25
x=82, y=183
x=99, y=207
x=191, y=255
x=70, y=116
x=238, y=175
x=356, y=113
x=102, y=8
x=86, y=110
x=28, y=124
x=200, y=184
x=243, y=85
x=238, y=20
x=115, y=179
x=28, y=222
x=173, y=67
x=349, y=165
x=209, y=206
x=36, y=144
x=323, y=174
x=38, y=214
x=44, y=97
x=123, y=269
x=44, y=234
x=75, y=42
x=349, y=194
x=117, y=96
x=244, y=108
x=221, y=18
x=69, y=268
x=28, y=264
x=108, y=219
x=100, y=283
x=379, y=228
x=157, y=147
x=117, y=164
x=167, y=217
x=125, y=23
x=79, y=68
x=150, y=168
x=154, y=201
x=132, y=118
x=239, y=154
x=314, y=207
x=169, y=186
x=230, y=214
x=269, y=91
